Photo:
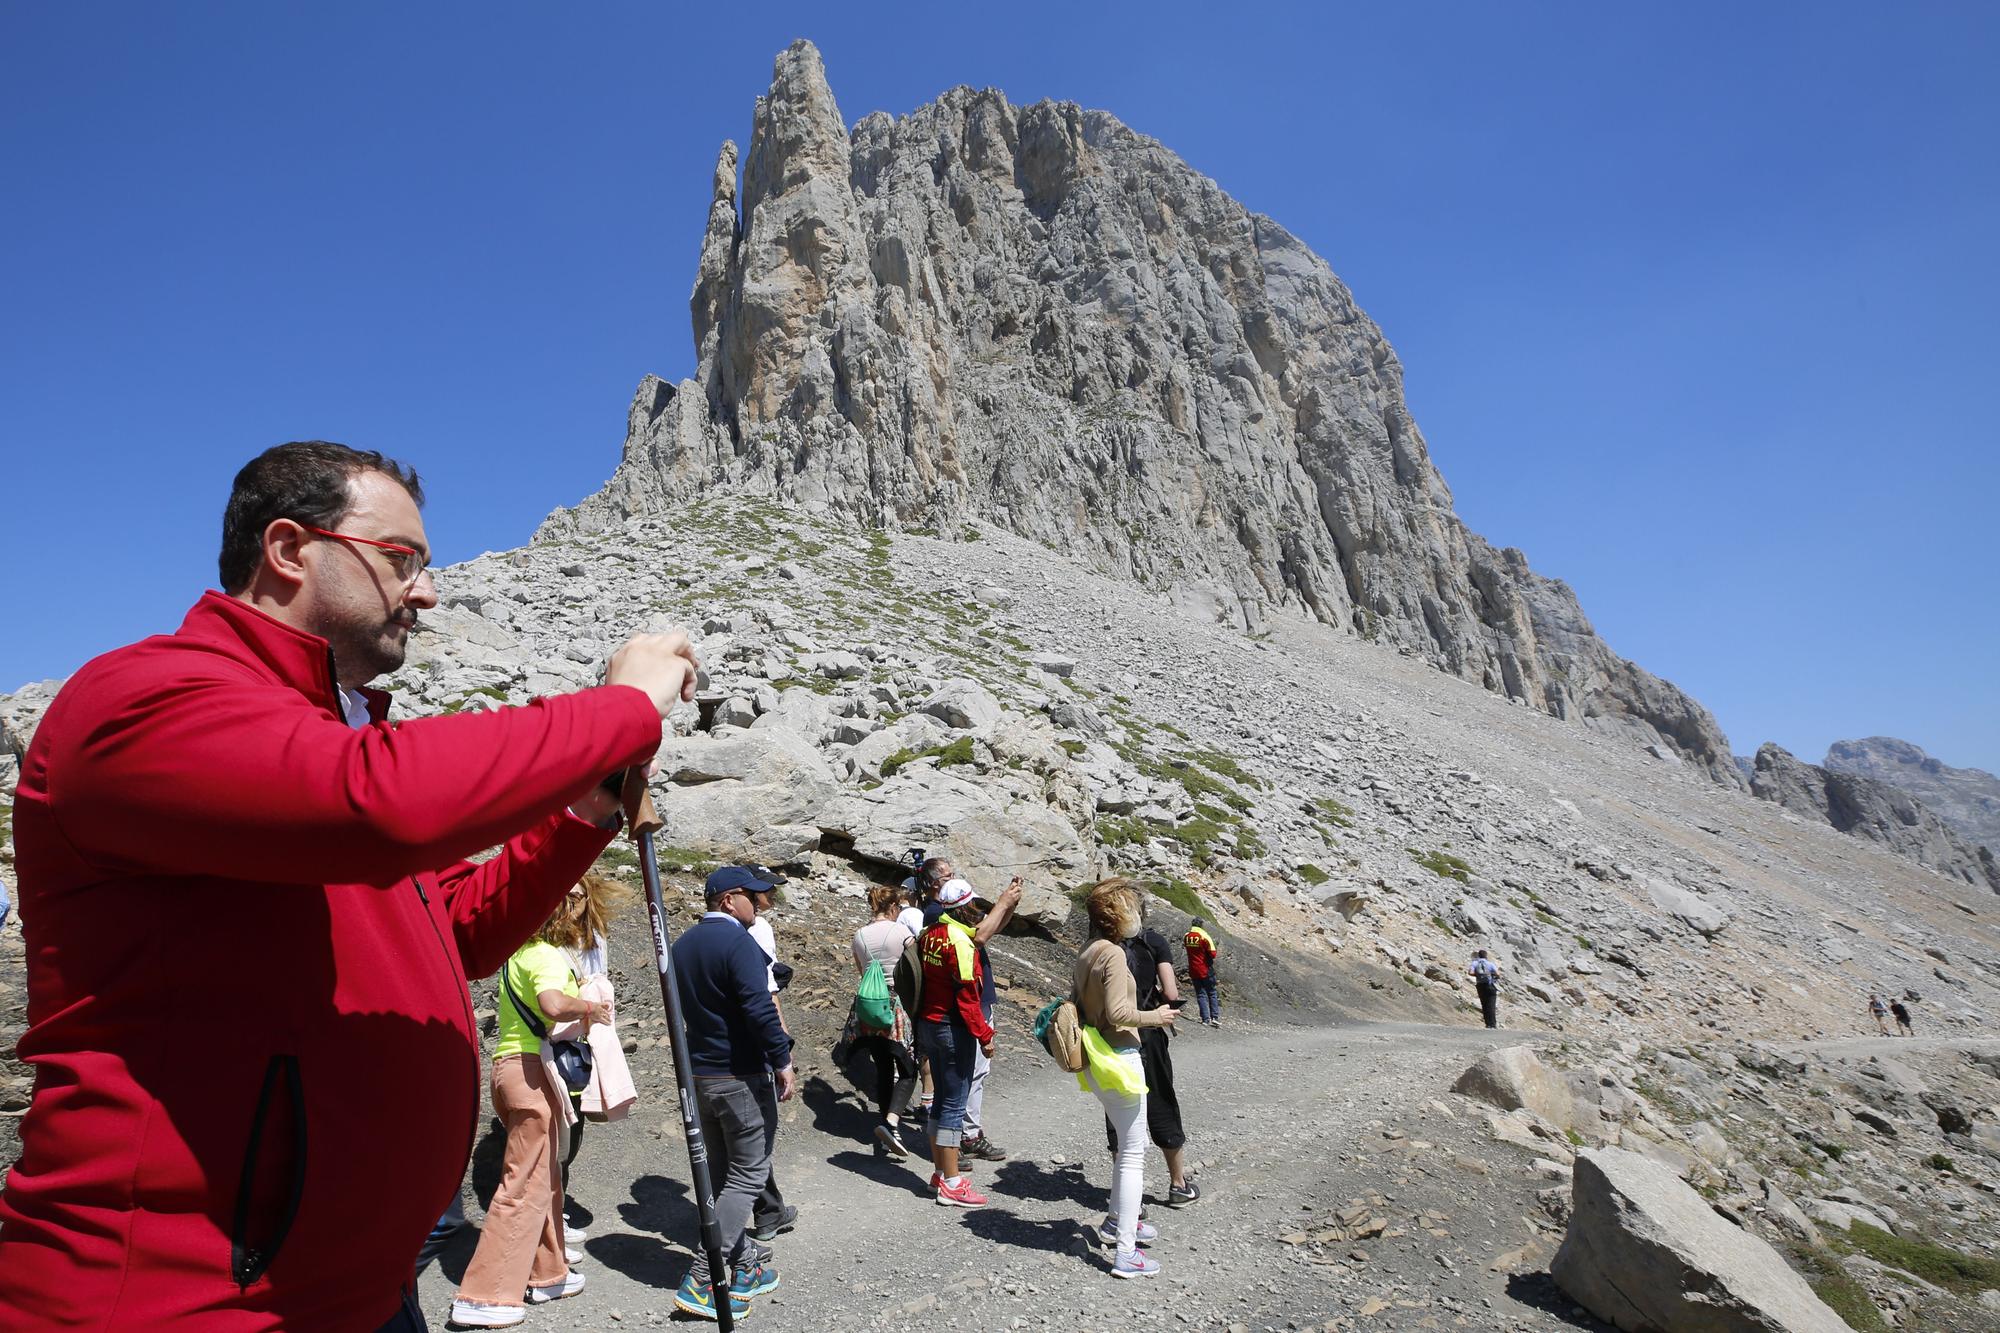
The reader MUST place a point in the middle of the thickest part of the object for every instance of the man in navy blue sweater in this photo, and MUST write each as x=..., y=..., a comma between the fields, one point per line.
x=741, y=1061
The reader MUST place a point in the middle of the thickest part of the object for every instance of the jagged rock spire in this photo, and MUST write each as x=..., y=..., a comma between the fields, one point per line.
x=1036, y=317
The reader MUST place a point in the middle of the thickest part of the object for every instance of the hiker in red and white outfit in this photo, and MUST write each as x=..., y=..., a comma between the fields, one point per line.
x=952, y=1029
x=1201, y=952
x=222, y=821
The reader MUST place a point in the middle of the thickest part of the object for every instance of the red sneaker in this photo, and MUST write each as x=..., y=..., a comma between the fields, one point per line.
x=964, y=1196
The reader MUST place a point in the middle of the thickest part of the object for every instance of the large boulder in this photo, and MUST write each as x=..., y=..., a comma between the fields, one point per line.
x=1514, y=1079
x=962, y=703
x=1646, y=1253
x=992, y=830
x=1697, y=913
x=749, y=795
x=916, y=733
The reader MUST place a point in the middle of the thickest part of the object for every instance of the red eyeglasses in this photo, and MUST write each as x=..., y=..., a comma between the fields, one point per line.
x=407, y=562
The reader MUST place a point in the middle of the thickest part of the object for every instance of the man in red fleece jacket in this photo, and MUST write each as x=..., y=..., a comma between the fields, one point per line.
x=249, y=925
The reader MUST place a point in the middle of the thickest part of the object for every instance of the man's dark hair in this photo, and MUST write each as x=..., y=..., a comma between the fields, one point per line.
x=305, y=481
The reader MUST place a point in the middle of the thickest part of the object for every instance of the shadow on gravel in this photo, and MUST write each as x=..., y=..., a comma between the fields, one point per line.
x=456, y=1255
x=834, y=1114
x=906, y=1176
x=1539, y=1291
x=660, y=1205
x=647, y=1260
x=1057, y=1236
x=1062, y=1184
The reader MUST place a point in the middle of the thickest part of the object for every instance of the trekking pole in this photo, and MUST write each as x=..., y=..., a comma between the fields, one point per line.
x=644, y=820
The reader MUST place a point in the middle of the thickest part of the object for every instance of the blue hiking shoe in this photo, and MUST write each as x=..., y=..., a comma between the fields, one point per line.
x=753, y=1280
x=699, y=1301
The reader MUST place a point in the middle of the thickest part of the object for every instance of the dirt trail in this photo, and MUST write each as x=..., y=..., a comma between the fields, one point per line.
x=1291, y=1125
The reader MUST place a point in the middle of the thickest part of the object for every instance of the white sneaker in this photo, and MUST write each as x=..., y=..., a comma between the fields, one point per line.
x=555, y=1291
x=574, y=1235
x=485, y=1314
x=573, y=1254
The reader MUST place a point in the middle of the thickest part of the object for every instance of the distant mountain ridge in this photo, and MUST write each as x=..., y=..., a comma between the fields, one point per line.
x=1873, y=809
x=1036, y=317
x=1968, y=799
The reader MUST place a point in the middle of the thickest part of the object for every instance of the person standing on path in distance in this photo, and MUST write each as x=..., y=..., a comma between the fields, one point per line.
x=1151, y=960
x=881, y=941
x=772, y=1216
x=998, y=913
x=1485, y=974
x=1102, y=984
x=952, y=1028
x=1880, y=1013
x=1902, y=1013
x=1201, y=955
x=741, y=1061
x=226, y=812
x=521, y=1246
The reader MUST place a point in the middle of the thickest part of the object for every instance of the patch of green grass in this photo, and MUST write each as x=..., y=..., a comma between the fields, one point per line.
x=1444, y=927
x=1961, y=1274
x=1198, y=782
x=1334, y=812
x=1575, y=1139
x=1122, y=831
x=1312, y=874
x=1584, y=941
x=1215, y=761
x=1072, y=748
x=697, y=862
x=1442, y=864
x=1937, y=1161
x=1181, y=894
x=953, y=752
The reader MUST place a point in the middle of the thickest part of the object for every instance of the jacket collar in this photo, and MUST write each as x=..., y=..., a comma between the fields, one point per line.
x=298, y=659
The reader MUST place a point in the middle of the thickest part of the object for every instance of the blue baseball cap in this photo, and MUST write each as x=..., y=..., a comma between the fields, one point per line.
x=731, y=879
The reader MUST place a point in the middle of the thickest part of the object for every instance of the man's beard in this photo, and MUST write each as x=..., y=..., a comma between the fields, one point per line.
x=363, y=652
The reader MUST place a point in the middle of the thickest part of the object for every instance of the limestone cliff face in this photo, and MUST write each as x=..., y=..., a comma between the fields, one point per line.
x=1872, y=809
x=1968, y=799
x=1037, y=318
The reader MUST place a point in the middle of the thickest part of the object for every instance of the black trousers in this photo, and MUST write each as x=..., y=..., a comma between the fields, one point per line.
x=1489, y=1005
x=409, y=1319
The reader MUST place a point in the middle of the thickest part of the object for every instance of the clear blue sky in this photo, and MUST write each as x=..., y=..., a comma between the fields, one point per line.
x=1697, y=303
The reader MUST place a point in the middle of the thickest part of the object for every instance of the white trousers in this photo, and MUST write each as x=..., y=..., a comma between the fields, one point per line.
x=975, y=1097
x=1127, y=1113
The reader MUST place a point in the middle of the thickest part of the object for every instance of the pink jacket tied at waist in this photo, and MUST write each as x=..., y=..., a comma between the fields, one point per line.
x=611, y=1093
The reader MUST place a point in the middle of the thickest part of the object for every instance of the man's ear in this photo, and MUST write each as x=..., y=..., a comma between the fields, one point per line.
x=284, y=551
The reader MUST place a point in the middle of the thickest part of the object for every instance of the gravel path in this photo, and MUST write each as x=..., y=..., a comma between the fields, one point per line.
x=1309, y=1138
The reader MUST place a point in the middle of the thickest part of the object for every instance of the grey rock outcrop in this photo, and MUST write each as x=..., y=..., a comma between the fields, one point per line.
x=1646, y=1253
x=1514, y=1079
x=1038, y=318
x=1968, y=799
x=1868, y=808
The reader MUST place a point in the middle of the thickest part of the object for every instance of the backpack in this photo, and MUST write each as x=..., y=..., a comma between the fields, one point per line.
x=909, y=978
x=872, y=1003
x=1060, y=1031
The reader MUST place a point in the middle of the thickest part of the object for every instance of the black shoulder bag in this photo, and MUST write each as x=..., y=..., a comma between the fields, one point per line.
x=571, y=1057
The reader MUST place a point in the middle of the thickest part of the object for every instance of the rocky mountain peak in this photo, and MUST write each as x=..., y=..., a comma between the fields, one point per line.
x=1038, y=318
x=1968, y=799
x=1869, y=808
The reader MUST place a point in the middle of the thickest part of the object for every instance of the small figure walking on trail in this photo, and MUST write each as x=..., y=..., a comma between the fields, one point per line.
x=1485, y=974
x=1201, y=952
x=1902, y=1013
x=1880, y=1013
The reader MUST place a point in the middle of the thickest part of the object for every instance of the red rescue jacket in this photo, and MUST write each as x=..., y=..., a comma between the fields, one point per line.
x=953, y=978
x=248, y=930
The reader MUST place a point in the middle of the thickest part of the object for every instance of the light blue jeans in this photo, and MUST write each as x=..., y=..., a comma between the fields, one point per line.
x=953, y=1053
